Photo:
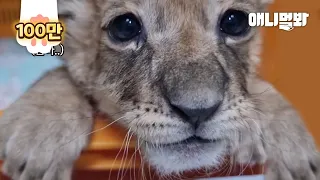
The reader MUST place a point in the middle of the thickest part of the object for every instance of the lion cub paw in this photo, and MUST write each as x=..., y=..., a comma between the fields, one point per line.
x=41, y=148
x=298, y=167
x=251, y=154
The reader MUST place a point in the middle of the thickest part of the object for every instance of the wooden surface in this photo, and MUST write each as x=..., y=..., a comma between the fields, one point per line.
x=9, y=14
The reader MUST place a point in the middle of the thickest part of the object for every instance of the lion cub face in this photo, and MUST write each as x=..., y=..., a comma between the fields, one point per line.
x=175, y=71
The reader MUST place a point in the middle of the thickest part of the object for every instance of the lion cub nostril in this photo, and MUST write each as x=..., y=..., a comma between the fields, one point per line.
x=196, y=116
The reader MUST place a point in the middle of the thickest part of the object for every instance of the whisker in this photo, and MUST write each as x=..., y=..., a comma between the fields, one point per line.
x=122, y=145
x=87, y=134
x=123, y=173
x=142, y=165
x=105, y=127
x=123, y=155
x=261, y=93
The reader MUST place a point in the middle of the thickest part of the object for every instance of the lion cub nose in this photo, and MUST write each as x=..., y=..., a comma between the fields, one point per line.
x=194, y=89
x=196, y=116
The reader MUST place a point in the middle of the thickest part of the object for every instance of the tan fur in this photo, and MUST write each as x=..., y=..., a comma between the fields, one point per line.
x=184, y=61
x=45, y=130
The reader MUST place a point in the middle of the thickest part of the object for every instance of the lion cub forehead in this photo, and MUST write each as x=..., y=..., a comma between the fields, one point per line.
x=166, y=15
x=175, y=9
x=180, y=4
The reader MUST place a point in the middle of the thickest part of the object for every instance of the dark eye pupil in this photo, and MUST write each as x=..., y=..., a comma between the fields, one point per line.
x=234, y=23
x=124, y=27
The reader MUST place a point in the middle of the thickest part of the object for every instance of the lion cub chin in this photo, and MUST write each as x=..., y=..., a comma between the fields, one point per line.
x=177, y=158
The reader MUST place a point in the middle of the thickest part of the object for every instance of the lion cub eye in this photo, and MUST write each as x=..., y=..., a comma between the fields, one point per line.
x=124, y=27
x=234, y=23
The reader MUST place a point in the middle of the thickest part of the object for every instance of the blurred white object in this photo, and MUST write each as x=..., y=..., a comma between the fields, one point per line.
x=40, y=9
x=19, y=70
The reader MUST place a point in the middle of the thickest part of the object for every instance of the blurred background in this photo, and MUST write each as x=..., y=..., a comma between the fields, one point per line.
x=291, y=62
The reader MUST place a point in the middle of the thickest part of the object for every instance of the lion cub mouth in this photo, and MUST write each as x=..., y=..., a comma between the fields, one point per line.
x=191, y=140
